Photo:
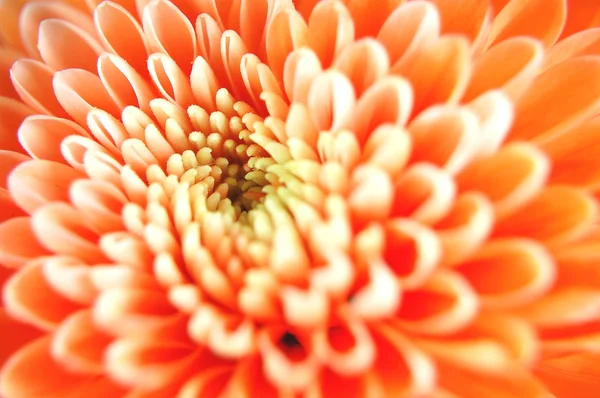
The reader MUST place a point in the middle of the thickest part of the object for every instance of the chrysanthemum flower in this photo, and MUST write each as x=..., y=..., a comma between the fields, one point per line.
x=300, y=199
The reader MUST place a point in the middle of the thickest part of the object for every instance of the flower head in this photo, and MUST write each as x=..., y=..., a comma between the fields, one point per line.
x=276, y=198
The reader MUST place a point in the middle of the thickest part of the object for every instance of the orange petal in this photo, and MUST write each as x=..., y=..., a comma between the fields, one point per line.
x=31, y=188
x=14, y=335
x=29, y=297
x=120, y=33
x=471, y=384
x=331, y=100
x=129, y=311
x=7, y=59
x=126, y=248
x=572, y=155
x=508, y=273
x=301, y=67
x=204, y=85
x=79, y=91
x=12, y=113
x=581, y=15
x=408, y=30
x=439, y=74
x=445, y=137
x=388, y=101
x=18, y=244
x=71, y=278
x=364, y=62
x=521, y=59
x=123, y=83
x=389, y=148
x=510, y=178
x=208, y=37
x=33, y=82
x=78, y=345
x=558, y=99
x=21, y=376
x=171, y=81
x=168, y=31
x=495, y=112
x=330, y=29
x=9, y=24
x=423, y=193
x=207, y=383
x=401, y=367
x=574, y=376
x=558, y=215
x=542, y=19
x=443, y=305
x=586, y=42
x=63, y=45
x=286, y=32
x=8, y=161
x=101, y=202
x=62, y=229
x=465, y=17
x=412, y=251
x=34, y=13
x=42, y=135
x=467, y=226
x=563, y=308
x=149, y=365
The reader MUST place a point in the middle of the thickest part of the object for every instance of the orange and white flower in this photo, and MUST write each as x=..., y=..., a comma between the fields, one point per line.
x=277, y=198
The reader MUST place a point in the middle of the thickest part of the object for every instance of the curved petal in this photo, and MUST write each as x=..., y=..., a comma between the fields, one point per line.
x=563, y=308
x=33, y=82
x=558, y=99
x=508, y=273
x=412, y=251
x=441, y=306
x=464, y=17
x=330, y=29
x=120, y=33
x=28, y=297
x=133, y=311
x=12, y=114
x=438, y=74
x=520, y=59
x=574, y=375
x=149, y=365
x=14, y=335
x=510, y=178
x=42, y=136
x=18, y=243
x=558, y=215
x=586, y=42
x=542, y=19
x=101, y=202
x=31, y=188
x=79, y=91
x=387, y=101
x=168, y=31
x=63, y=45
x=445, y=137
x=408, y=30
x=123, y=83
x=78, y=345
x=465, y=228
x=331, y=100
x=572, y=155
x=423, y=193
x=286, y=32
x=364, y=62
x=62, y=229
x=36, y=12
